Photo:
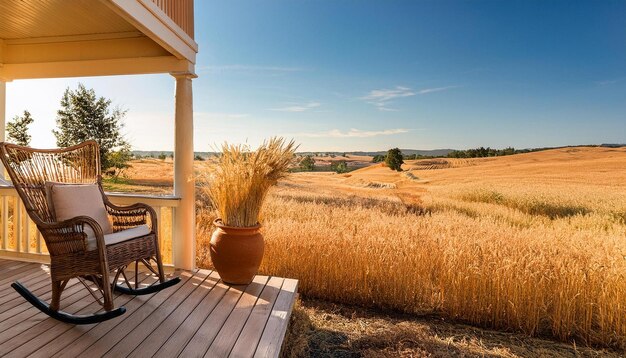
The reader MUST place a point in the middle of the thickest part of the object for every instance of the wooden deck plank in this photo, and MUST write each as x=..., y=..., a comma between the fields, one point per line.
x=274, y=333
x=202, y=316
x=9, y=265
x=156, y=318
x=42, y=290
x=48, y=336
x=98, y=341
x=32, y=282
x=20, y=333
x=19, y=309
x=6, y=263
x=45, y=330
x=27, y=323
x=74, y=341
x=227, y=336
x=179, y=339
x=10, y=272
x=74, y=332
x=201, y=340
x=151, y=344
x=32, y=274
x=251, y=333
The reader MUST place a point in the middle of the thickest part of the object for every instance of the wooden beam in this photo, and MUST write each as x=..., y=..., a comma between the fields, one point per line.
x=72, y=48
x=86, y=68
x=150, y=20
x=1, y=52
x=74, y=38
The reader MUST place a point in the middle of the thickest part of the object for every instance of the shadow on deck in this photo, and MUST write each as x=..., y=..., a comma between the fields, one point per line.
x=201, y=316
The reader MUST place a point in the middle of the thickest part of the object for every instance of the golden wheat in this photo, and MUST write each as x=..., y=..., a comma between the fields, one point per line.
x=533, y=243
x=239, y=181
x=493, y=263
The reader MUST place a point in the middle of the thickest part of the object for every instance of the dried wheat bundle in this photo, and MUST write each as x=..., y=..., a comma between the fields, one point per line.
x=240, y=179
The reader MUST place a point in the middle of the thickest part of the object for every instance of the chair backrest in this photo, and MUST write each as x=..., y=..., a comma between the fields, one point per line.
x=31, y=168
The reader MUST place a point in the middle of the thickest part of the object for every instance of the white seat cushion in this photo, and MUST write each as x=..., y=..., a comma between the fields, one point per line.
x=119, y=236
x=67, y=201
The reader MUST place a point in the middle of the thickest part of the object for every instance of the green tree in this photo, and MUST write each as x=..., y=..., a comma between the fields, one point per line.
x=199, y=158
x=118, y=160
x=17, y=129
x=83, y=116
x=162, y=156
x=394, y=159
x=378, y=158
x=339, y=167
x=307, y=163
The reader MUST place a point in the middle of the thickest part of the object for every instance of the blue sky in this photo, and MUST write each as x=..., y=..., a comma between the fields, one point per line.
x=370, y=75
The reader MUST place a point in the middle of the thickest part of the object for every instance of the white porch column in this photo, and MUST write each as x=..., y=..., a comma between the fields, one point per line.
x=3, y=118
x=184, y=241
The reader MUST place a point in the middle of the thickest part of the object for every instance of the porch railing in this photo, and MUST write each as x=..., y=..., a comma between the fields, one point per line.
x=180, y=11
x=20, y=239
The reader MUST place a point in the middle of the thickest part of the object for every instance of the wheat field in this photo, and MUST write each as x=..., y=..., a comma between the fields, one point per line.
x=534, y=243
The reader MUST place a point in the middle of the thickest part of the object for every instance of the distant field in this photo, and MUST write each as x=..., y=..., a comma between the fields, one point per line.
x=533, y=242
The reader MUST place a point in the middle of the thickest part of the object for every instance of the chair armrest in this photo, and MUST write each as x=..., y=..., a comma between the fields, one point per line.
x=69, y=236
x=125, y=217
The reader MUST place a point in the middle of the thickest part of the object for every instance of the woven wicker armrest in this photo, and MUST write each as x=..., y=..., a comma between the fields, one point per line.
x=125, y=217
x=68, y=236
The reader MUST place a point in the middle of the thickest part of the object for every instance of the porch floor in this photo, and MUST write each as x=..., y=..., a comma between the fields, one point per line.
x=201, y=316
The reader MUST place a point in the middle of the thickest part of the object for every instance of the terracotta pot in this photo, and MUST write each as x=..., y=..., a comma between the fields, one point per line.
x=236, y=252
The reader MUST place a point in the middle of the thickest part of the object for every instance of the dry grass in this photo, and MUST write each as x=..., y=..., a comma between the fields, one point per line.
x=322, y=329
x=239, y=181
x=547, y=258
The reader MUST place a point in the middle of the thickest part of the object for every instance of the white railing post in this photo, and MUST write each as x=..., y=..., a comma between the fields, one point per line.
x=5, y=222
x=184, y=240
x=18, y=243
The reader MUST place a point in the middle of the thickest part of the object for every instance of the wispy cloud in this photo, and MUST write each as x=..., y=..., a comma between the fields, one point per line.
x=436, y=89
x=251, y=68
x=352, y=133
x=382, y=98
x=611, y=81
x=297, y=107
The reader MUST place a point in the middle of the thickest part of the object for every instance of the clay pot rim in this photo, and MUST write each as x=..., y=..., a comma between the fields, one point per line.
x=218, y=223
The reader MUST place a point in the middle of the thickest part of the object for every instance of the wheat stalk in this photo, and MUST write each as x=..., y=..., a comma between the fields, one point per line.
x=240, y=179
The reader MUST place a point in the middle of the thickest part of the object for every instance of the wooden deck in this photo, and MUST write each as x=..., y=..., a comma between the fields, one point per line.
x=199, y=317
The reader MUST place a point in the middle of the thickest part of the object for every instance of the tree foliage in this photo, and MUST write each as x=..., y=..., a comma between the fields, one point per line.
x=416, y=156
x=394, y=159
x=118, y=160
x=307, y=163
x=17, y=129
x=485, y=152
x=339, y=167
x=84, y=116
x=379, y=158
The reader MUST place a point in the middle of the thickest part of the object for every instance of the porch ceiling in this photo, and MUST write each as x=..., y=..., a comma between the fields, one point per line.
x=52, y=18
x=76, y=38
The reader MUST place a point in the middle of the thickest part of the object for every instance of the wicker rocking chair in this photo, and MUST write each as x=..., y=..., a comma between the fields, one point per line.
x=79, y=246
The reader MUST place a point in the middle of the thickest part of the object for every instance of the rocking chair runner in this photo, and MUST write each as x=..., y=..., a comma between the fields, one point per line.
x=78, y=246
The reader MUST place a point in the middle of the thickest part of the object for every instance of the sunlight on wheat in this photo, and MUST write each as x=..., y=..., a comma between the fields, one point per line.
x=482, y=258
